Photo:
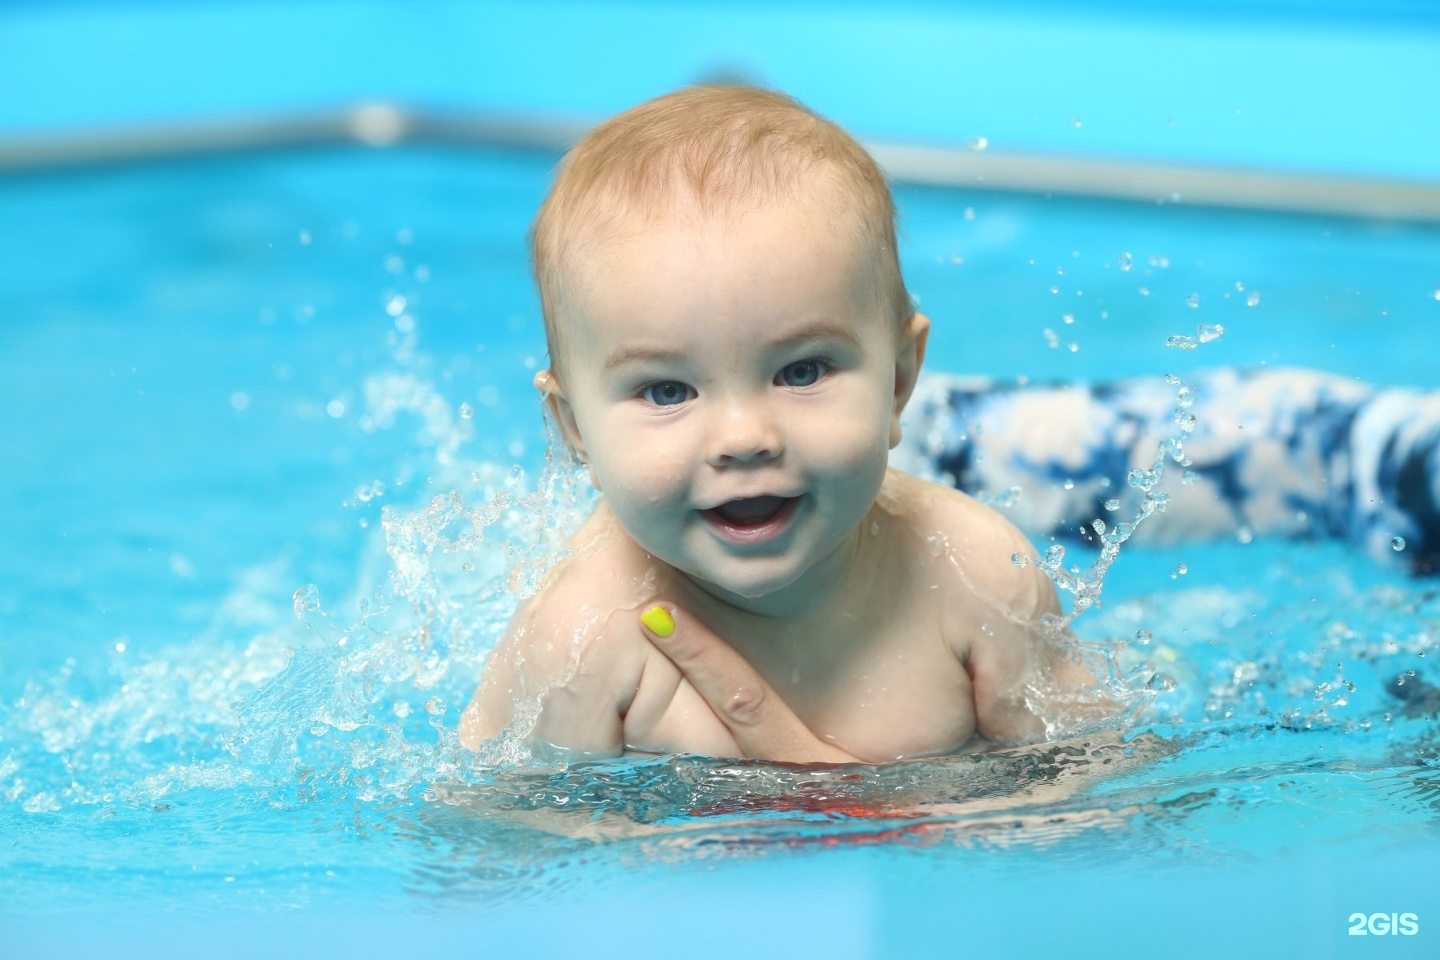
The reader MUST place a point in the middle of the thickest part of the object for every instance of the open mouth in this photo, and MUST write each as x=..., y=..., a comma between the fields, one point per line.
x=751, y=518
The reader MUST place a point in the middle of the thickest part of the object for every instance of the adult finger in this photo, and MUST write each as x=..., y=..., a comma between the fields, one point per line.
x=763, y=725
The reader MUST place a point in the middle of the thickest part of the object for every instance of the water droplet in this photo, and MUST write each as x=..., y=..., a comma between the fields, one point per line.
x=1144, y=291
x=1397, y=544
x=1192, y=301
x=1019, y=559
x=435, y=706
x=1161, y=682
x=976, y=144
x=1437, y=293
x=1074, y=347
x=1098, y=526
x=970, y=215
x=1124, y=260
x=1181, y=342
x=395, y=305
x=1112, y=504
x=336, y=408
x=986, y=629
x=1076, y=124
x=1207, y=332
x=466, y=411
x=1142, y=638
x=306, y=600
x=1068, y=317
x=401, y=709
x=304, y=238
x=1245, y=535
x=1182, y=569
x=1252, y=298
x=874, y=528
x=369, y=491
x=1052, y=340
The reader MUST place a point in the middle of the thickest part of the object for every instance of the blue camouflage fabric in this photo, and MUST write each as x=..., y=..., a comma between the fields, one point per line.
x=1296, y=453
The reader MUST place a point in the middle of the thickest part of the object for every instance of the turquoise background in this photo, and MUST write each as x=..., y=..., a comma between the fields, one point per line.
x=1341, y=88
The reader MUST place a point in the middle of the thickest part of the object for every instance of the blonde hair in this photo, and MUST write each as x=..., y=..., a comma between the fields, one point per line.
x=711, y=148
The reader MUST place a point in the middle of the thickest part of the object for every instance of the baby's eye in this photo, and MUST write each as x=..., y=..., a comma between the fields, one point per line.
x=666, y=393
x=801, y=373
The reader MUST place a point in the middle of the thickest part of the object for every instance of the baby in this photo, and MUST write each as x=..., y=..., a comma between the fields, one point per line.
x=731, y=348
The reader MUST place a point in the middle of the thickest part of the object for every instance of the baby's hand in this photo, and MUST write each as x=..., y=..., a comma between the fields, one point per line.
x=763, y=726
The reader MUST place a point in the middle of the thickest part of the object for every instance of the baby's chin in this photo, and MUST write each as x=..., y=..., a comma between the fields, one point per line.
x=739, y=591
x=767, y=594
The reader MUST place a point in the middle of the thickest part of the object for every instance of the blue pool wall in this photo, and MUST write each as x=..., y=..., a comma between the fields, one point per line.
x=1332, y=87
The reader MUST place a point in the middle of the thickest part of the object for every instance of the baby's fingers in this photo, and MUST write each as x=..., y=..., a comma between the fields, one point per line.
x=763, y=725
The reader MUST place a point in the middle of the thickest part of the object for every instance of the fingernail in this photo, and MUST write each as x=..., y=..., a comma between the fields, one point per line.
x=659, y=621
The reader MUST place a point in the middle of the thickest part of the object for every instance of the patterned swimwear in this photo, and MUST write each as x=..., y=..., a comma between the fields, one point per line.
x=1250, y=452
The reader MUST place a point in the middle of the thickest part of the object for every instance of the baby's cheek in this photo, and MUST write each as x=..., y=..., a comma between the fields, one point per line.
x=852, y=442
x=661, y=475
x=647, y=478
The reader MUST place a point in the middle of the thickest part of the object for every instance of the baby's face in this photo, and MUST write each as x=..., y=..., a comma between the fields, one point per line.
x=735, y=386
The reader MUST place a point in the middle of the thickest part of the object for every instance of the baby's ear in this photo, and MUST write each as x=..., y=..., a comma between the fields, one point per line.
x=564, y=413
x=909, y=355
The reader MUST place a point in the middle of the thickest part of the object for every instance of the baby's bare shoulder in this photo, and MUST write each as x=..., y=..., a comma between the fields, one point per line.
x=570, y=649
x=604, y=571
x=996, y=609
x=974, y=540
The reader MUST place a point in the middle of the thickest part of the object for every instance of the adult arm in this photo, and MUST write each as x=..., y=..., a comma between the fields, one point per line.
x=763, y=726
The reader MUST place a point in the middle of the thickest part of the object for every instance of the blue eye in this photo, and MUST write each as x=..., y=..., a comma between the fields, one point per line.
x=802, y=373
x=666, y=393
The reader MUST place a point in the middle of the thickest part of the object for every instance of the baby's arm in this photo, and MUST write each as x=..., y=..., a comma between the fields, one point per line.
x=1020, y=673
x=562, y=678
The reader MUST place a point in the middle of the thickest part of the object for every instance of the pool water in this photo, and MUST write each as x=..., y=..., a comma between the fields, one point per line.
x=272, y=455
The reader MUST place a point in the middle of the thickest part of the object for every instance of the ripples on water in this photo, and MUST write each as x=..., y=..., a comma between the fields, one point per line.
x=308, y=751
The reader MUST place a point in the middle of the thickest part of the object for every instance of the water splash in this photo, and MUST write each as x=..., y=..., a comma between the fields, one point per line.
x=1128, y=690
x=367, y=703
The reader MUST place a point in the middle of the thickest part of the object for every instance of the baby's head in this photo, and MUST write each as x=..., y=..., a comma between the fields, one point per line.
x=705, y=152
x=731, y=341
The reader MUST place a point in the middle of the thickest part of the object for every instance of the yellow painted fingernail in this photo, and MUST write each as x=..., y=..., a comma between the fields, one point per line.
x=659, y=621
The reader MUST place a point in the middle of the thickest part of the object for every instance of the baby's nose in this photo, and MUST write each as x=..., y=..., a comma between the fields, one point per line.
x=744, y=431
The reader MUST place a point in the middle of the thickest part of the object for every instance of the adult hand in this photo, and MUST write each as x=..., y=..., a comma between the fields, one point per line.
x=763, y=725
